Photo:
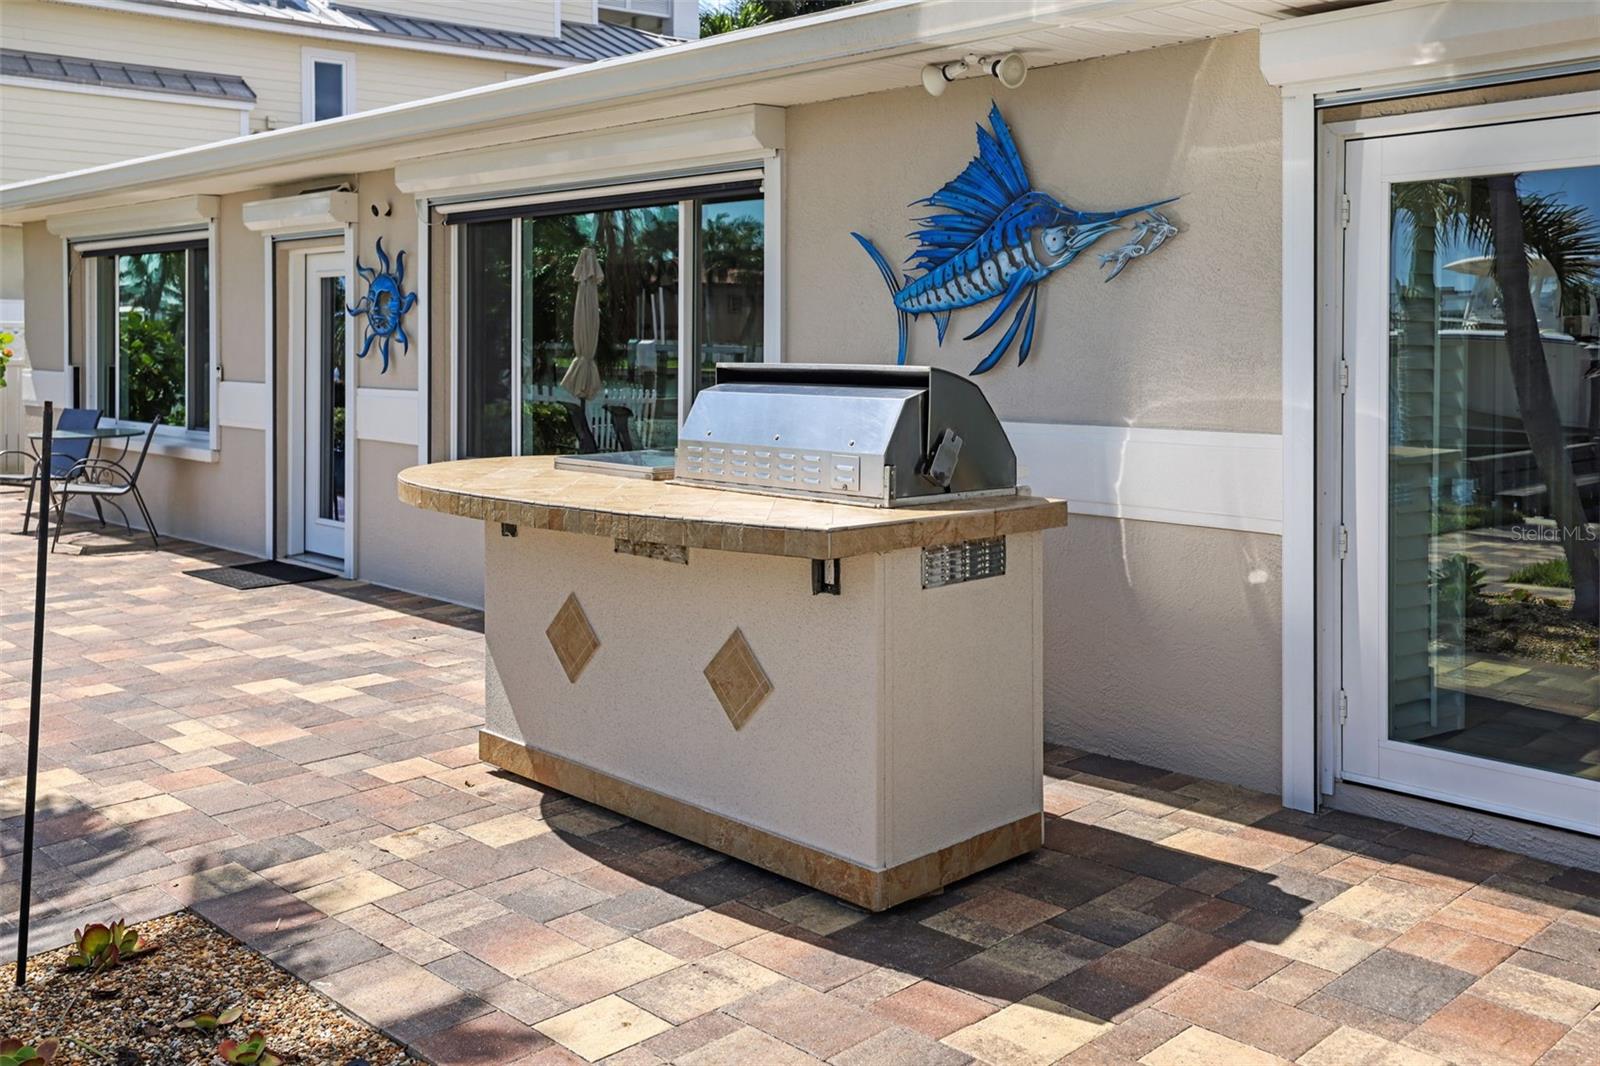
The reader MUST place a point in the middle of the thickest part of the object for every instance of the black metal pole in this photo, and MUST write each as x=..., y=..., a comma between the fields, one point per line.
x=26, y=903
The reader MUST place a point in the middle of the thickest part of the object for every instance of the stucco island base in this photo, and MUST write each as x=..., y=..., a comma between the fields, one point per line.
x=876, y=745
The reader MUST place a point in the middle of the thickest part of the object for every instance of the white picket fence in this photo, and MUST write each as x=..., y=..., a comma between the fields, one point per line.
x=636, y=398
x=13, y=418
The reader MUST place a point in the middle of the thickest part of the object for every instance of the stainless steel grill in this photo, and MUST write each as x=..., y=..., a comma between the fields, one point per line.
x=877, y=435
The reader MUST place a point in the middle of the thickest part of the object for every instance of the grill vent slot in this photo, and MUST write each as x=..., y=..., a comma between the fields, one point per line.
x=951, y=564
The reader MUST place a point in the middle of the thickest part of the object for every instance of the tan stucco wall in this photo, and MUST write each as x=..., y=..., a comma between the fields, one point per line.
x=43, y=291
x=1188, y=338
x=1162, y=646
x=10, y=263
x=1161, y=641
x=220, y=503
x=241, y=290
x=398, y=228
x=406, y=548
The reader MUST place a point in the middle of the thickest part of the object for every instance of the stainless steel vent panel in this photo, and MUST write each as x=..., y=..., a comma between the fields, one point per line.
x=973, y=560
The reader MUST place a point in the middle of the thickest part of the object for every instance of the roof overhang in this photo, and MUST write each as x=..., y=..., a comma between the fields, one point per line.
x=851, y=51
x=1420, y=42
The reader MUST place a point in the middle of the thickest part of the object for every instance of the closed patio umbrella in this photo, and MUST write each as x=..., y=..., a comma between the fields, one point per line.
x=582, y=378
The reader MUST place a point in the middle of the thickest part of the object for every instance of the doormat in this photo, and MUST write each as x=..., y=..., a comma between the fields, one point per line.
x=262, y=575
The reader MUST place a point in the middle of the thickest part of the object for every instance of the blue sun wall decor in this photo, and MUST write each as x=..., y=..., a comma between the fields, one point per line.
x=385, y=305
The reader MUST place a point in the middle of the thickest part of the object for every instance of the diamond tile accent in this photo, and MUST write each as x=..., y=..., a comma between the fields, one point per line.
x=572, y=637
x=737, y=679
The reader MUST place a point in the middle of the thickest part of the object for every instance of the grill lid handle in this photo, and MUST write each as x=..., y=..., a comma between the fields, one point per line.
x=940, y=466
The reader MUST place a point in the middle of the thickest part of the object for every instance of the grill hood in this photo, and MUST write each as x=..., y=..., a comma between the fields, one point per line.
x=880, y=435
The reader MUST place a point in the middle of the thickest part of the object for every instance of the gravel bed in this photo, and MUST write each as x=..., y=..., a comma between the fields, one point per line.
x=125, y=1016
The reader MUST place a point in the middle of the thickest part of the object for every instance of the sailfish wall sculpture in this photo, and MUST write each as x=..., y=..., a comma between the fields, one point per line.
x=997, y=238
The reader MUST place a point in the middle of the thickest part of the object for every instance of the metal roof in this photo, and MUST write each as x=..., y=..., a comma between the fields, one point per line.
x=106, y=74
x=579, y=42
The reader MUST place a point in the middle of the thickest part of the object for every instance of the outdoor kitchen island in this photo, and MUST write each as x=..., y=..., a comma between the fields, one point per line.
x=693, y=658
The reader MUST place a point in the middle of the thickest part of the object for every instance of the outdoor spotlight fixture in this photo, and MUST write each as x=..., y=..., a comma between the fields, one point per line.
x=1010, y=70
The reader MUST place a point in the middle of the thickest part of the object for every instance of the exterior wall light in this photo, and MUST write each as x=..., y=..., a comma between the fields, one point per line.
x=1011, y=70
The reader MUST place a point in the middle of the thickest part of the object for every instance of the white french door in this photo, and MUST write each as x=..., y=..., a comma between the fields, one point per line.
x=317, y=408
x=1471, y=467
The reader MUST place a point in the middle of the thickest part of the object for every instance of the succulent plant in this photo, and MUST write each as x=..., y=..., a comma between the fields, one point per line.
x=14, y=1052
x=252, y=1051
x=207, y=1020
x=99, y=947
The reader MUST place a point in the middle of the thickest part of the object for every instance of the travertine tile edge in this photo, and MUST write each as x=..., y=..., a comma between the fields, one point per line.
x=671, y=514
x=874, y=890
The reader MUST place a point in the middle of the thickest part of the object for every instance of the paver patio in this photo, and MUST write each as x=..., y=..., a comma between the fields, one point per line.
x=298, y=764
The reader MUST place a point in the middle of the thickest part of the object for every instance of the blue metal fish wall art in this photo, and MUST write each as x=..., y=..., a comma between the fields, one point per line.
x=385, y=305
x=997, y=238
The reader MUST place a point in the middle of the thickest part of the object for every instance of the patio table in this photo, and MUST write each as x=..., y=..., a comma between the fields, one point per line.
x=98, y=435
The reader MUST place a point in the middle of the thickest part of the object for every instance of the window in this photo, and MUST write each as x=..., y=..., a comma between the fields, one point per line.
x=523, y=313
x=327, y=85
x=152, y=334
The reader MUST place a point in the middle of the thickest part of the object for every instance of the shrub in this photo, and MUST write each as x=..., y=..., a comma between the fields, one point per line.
x=252, y=1051
x=1459, y=579
x=100, y=947
x=1550, y=573
x=14, y=1052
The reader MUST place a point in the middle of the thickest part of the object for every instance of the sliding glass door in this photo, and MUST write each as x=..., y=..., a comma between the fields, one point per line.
x=571, y=330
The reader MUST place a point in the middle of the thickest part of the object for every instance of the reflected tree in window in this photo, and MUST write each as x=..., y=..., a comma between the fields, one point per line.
x=1513, y=228
x=150, y=327
x=732, y=283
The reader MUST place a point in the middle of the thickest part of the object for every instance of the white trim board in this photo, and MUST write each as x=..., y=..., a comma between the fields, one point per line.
x=1410, y=42
x=156, y=216
x=1219, y=480
x=387, y=415
x=40, y=385
x=244, y=404
x=306, y=213
x=739, y=133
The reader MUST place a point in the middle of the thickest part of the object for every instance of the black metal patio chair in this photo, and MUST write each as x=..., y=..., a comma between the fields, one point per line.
x=587, y=445
x=64, y=455
x=622, y=423
x=108, y=480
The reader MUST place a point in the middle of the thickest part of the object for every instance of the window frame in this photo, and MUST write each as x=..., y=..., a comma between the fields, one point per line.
x=196, y=443
x=765, y=173
x=346, y=62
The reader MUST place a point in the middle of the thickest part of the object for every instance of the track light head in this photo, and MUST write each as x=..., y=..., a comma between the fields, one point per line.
x=1010, y=70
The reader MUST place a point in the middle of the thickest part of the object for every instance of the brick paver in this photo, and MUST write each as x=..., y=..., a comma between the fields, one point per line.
x=298, y=764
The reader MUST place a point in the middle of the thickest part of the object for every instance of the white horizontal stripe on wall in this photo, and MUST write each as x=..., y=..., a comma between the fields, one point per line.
x=39, y=386
x=1181, y=476
x=387, y=415
x=244, y=404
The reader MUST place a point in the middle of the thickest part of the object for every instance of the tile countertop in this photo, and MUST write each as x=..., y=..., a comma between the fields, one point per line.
x=529, y=491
